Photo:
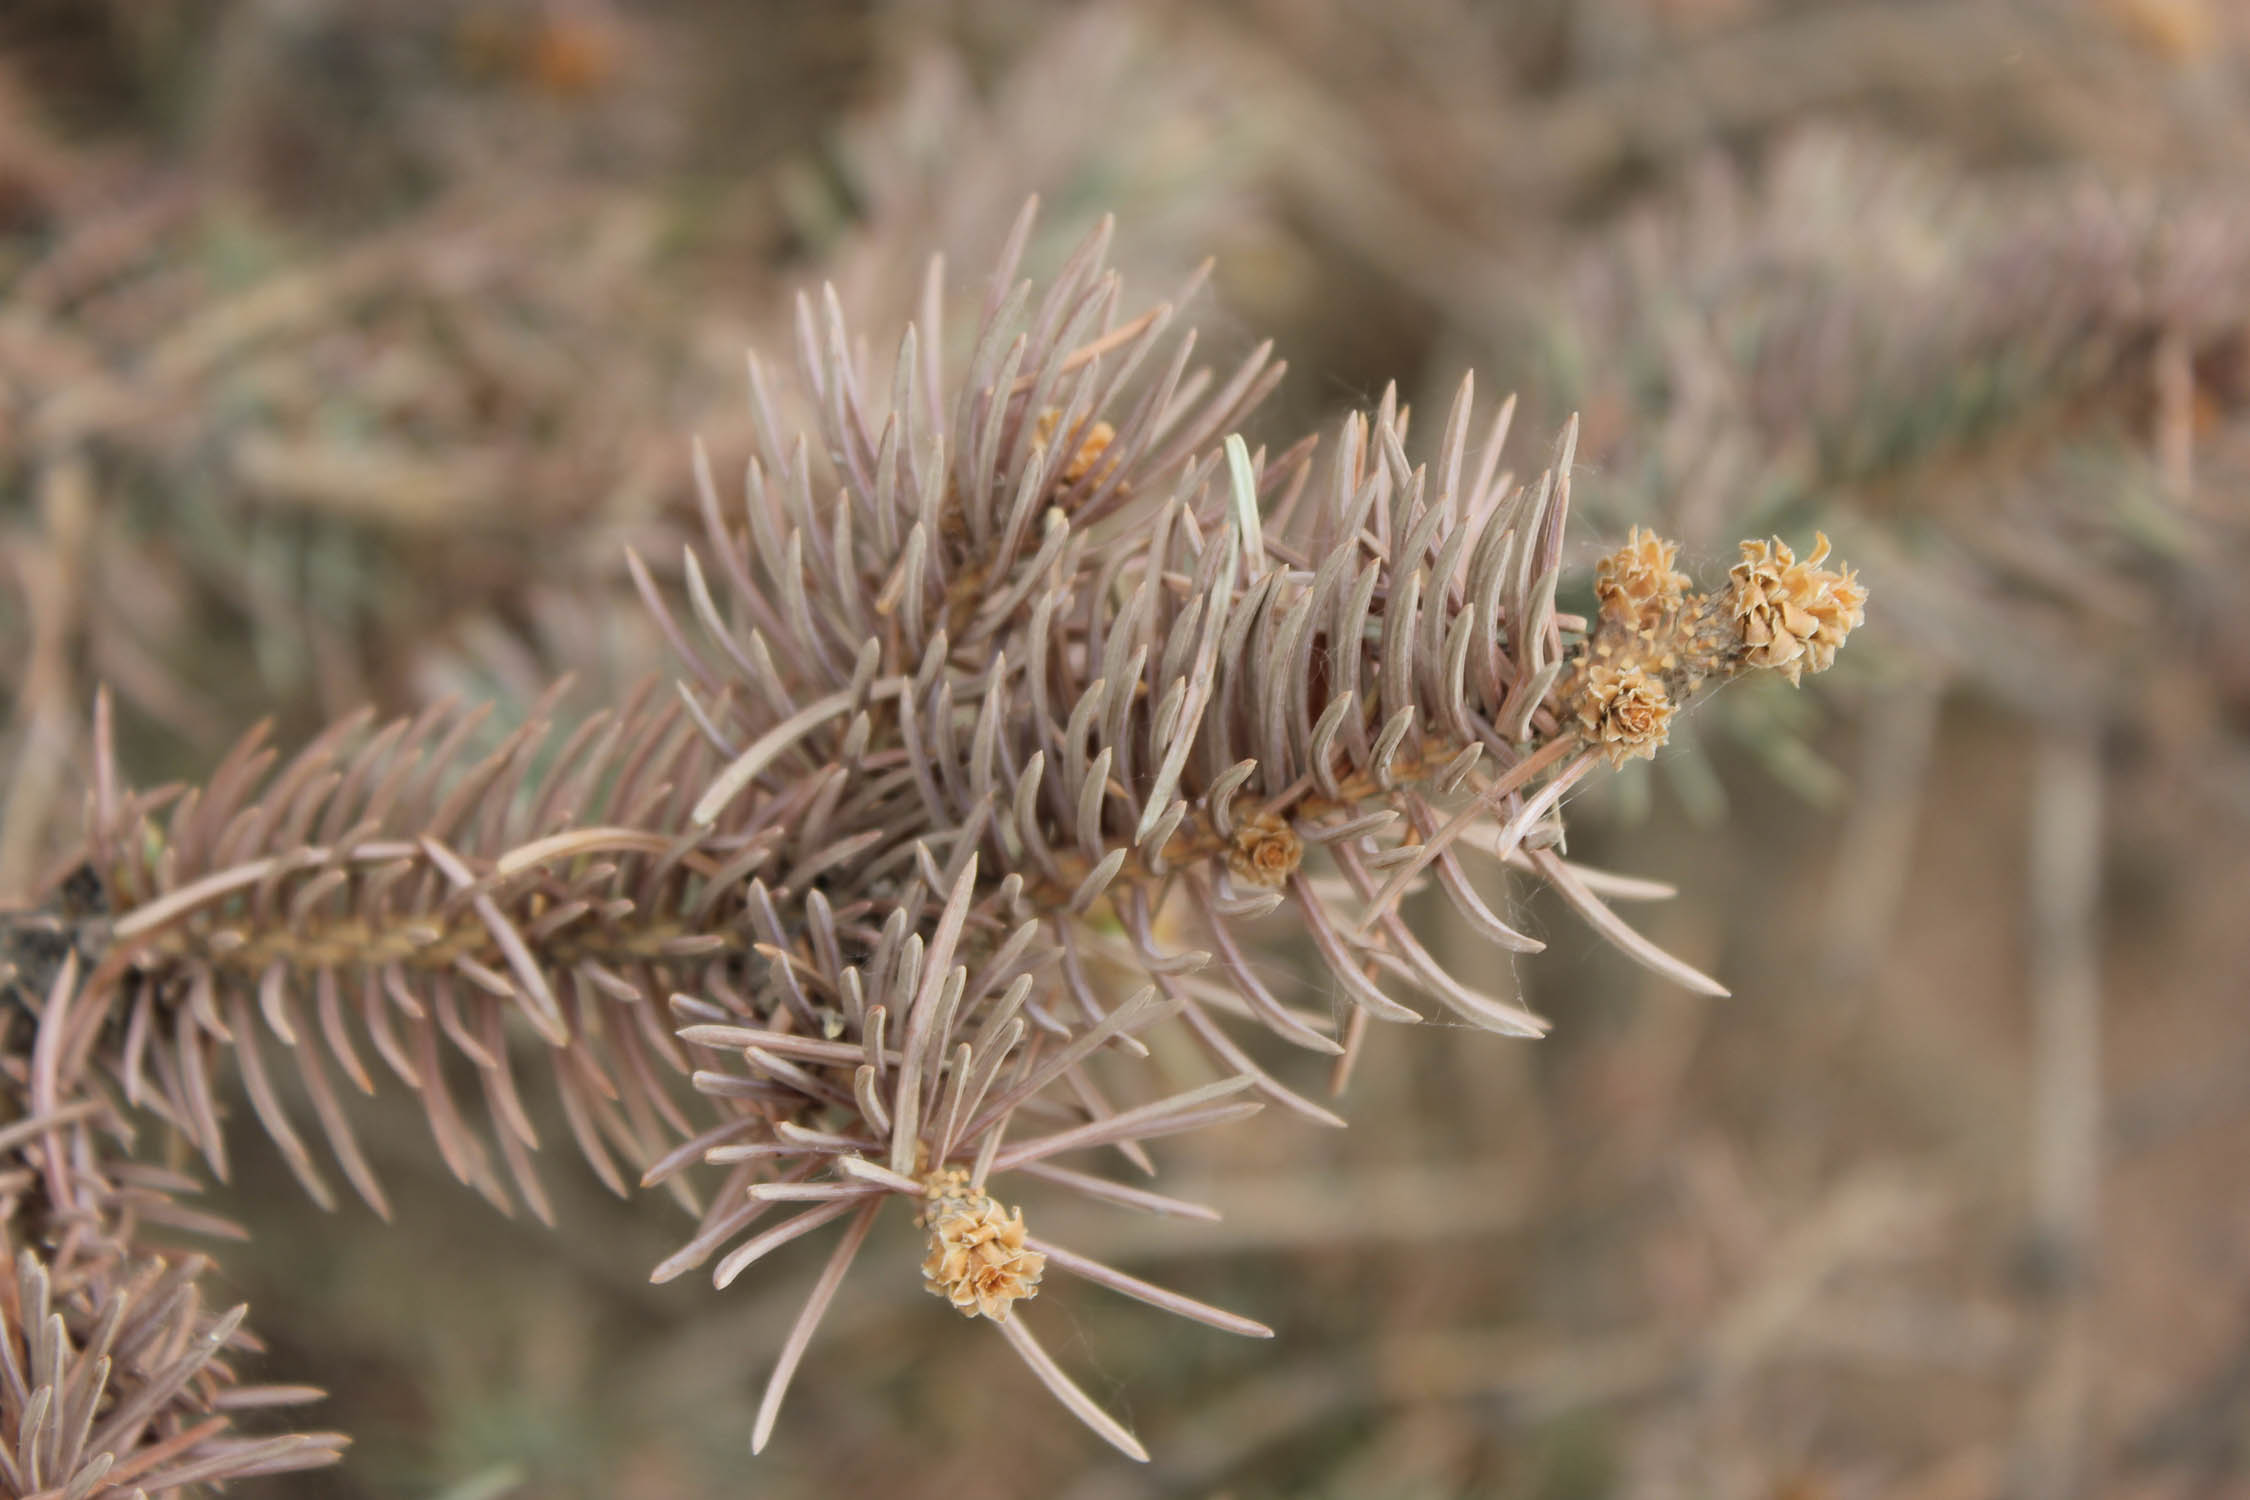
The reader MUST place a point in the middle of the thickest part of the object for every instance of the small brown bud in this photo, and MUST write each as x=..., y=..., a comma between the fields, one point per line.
x=977, y=1259
x=1792, y=615
x=1637, y=584
x=1623, y=710
x=953, y=519
x=1265, y=852
x=1092, y=440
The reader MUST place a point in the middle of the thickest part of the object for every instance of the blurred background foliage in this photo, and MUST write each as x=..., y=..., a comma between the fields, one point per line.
x=343, y=348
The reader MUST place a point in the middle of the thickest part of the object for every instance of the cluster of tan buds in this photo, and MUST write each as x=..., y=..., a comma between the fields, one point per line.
x=1655, y=645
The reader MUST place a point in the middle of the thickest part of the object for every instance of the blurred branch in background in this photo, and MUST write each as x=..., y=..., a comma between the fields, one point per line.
x=2064, y=930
